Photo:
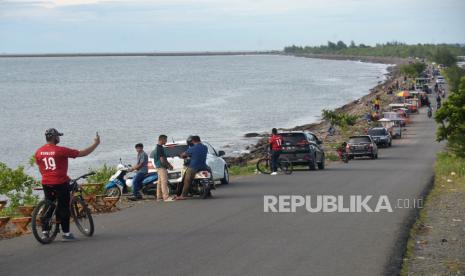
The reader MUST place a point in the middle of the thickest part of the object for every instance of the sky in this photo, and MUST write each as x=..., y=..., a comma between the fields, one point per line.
x=70, y=26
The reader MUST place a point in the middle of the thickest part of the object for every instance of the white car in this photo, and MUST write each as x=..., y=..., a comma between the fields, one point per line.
x=217, y=164
x=440, y=79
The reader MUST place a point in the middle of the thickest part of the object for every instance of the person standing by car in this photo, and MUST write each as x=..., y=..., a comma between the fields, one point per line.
x=275, y=143
x=52, y=161
x=160, y=162
x=142, y=170
x=198, y=161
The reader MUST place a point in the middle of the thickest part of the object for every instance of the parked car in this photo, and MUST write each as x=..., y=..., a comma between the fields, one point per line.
x=215, y=161
x=440, y=80
x=362, y=145
x=381, y=136
x=303, y=148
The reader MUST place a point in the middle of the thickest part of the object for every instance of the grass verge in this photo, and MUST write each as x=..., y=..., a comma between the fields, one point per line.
x=449, y=177
x=237, y=170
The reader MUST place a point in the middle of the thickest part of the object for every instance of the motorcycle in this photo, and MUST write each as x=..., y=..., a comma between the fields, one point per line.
x=201, y=185
x=118, y=184
x=343, y=154
x=430, y=112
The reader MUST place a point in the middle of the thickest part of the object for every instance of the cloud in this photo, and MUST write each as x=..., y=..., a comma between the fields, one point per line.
x=128, y=25
x=238, y=7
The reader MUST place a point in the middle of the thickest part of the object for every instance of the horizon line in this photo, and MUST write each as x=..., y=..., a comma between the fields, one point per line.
x=116, y=54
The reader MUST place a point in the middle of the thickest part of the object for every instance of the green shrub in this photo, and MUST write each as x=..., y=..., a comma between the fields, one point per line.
x=451, y=119
x=412, y=70
x=443, y=55
x=349, y=119
x=102, y=174
x=453, y=75
x=331, y=116
x=18, y=187
x=338, y=118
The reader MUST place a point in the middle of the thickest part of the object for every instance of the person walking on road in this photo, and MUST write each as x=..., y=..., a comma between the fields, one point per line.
x=438, y=101
x=52, y=161
x=142, y=170
x=275, y=143
x=160, y=162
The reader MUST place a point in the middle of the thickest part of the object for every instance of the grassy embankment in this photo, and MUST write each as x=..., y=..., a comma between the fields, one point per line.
x=449, y=181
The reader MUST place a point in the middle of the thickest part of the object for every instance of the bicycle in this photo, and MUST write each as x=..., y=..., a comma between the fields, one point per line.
x=45, y=226
x=284, y=165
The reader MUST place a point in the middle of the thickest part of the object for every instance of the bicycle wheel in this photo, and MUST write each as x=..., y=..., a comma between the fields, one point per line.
x=45, y=228
x=285, y=165
x=82, y=216
x=264, y=165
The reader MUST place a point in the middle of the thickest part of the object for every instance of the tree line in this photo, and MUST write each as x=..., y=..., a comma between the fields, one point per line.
x=446, y=53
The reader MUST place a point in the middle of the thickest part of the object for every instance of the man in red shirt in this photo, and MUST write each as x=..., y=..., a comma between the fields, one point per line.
x=52, y=161
x=275, y=146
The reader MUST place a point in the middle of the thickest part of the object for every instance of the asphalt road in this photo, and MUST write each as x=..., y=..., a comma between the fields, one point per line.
x=231, y=235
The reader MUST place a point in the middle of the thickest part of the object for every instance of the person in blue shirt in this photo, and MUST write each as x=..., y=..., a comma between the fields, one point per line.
x=198, y=161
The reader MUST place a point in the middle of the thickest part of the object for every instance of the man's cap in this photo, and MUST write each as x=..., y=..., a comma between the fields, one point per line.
x=52, y=132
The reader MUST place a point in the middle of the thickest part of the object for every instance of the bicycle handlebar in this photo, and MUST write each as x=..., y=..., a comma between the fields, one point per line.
x=84, y=176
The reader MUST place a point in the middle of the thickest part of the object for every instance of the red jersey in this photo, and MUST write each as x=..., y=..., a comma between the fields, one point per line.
x=276, y=141
x=52, y=161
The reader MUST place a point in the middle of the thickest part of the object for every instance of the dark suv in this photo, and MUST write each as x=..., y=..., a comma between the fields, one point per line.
x=362, y=145
x=381, y=136
x=303, y=148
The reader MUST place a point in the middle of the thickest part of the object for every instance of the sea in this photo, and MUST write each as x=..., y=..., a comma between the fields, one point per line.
x=130, y=100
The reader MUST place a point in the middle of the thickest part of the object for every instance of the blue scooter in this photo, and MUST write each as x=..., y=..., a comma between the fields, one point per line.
x=119, y=185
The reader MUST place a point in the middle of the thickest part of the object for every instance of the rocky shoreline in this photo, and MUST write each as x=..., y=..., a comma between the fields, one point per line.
x=358, y=107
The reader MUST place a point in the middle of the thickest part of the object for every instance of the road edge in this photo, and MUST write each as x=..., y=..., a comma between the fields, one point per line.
x=398, y=251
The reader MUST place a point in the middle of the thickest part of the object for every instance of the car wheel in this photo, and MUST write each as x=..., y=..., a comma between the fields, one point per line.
x=373, y=156
x=390, y=143
x=321, y=165
x=225, y=179
x=312, y=165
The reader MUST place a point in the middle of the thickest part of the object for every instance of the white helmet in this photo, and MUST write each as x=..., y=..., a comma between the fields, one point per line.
x=120, y=167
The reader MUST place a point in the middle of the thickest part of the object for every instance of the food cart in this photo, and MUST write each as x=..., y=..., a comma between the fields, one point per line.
x=412, y=104
x=396, y=106
x=399, y=116
x=421, y=96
